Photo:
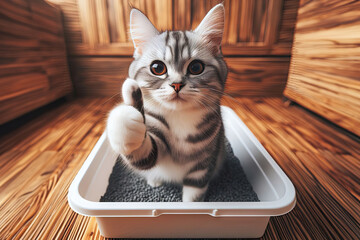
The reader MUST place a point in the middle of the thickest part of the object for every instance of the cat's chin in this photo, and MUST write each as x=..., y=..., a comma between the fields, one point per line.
x=178, y=104
x=177, y=99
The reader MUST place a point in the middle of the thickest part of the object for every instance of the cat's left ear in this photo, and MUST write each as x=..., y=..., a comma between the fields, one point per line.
x=141, y=29
x=211, y=27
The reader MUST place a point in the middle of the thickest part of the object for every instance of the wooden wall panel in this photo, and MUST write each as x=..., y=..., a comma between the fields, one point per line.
x=71, y=19
x=19, y=84
x=259, y=28
x=99, y=76
x=252, y=27
x=256, y=76
x=325, y=67
x=33, y=64
x=287, y=23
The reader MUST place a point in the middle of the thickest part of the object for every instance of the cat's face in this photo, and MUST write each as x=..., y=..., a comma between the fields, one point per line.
x=179, y=69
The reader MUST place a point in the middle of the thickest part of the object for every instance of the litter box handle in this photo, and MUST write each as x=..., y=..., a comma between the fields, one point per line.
x=211, y=212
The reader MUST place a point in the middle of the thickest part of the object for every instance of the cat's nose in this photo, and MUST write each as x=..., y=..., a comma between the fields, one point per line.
x=177, y=86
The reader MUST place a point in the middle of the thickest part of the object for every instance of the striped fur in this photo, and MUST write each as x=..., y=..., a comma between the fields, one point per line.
x=183, y=140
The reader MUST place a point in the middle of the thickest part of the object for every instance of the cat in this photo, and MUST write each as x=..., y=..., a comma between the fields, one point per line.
x=169, y=127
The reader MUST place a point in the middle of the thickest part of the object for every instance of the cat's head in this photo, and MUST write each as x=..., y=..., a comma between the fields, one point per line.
x=179, y=69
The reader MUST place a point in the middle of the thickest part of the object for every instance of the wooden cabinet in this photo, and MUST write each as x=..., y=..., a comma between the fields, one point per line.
x=257, y=32
x=33, y=60
x=325, y=68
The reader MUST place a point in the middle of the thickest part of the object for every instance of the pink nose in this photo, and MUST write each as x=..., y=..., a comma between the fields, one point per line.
x=177, y=86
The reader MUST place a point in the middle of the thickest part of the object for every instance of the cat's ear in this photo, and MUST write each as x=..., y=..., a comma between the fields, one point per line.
x=141, y=29
x=211, y=28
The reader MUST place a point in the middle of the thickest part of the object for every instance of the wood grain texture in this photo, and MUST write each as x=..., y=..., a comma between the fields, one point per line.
x=256, y=76
x=252, y=28
x=263, y=27
x=39, y=160
x=33, y=61
x=325, y=68
x=247, y=76
x=71, y=19
x=99, y=76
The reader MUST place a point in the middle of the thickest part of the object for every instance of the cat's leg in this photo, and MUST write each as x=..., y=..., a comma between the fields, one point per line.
x=196, y=182
x=126, y=129
x=194, y=194
x=195, y=185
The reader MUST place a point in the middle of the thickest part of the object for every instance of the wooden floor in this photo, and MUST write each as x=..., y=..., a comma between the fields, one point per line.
x=40, y=159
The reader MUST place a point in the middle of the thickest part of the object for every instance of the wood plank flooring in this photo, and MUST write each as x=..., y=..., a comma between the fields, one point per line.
x=40, y=159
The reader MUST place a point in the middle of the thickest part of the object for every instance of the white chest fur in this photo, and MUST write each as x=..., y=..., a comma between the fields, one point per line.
x=181, y=125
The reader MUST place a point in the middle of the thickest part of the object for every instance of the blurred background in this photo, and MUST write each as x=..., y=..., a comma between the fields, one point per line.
x=82, y=47
x=89, y=50
x=294, y=79
x=257, y=40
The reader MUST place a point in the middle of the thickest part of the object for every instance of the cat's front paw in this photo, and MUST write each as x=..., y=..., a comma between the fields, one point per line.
x=194, y=194
x=125, y=129
x=154, y=183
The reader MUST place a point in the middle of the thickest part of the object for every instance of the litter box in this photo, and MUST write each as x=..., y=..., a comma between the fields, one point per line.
x=187, y=219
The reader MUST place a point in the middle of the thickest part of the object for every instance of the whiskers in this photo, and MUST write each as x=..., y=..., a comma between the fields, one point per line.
x=207, y=98
x=220, y=93
x=150, y=101
x=209, y=103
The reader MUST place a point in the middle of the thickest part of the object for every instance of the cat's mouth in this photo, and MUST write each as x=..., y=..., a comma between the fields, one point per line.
x=176, y=98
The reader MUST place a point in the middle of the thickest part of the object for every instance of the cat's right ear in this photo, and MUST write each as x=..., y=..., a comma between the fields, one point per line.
x=211, y=28
x=141, y=29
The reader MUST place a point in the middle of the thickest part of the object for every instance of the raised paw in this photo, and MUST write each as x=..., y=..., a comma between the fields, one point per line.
x=125, y=129
x=132, y=95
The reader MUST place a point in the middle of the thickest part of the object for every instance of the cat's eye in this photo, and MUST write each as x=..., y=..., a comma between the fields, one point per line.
x=196, y=67
x=158, y=68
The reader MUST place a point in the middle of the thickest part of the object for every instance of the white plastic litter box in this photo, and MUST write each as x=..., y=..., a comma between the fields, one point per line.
x=195, y=219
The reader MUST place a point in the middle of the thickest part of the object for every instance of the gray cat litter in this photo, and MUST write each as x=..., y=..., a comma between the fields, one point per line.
x=231, y=185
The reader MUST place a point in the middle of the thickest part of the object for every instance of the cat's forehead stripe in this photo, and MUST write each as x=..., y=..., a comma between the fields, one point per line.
x=167, y=38
x=177, y=47
x=186, y=45
x=168, y=49
x=176, y=36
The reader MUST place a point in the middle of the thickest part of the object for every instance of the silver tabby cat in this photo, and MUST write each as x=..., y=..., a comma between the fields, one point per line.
x=169, y=128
